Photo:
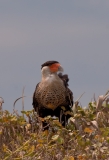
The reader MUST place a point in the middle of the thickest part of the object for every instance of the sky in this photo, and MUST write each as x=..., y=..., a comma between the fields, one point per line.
x=75, y=33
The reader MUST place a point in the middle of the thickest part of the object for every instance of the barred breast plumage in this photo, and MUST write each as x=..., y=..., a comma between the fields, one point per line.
x=51, y=95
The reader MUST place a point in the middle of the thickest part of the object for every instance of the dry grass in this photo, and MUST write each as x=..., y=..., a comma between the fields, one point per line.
x=85, y=138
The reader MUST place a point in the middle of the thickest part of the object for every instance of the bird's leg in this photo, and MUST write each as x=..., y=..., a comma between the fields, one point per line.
x=60, y=118
x=45, y=126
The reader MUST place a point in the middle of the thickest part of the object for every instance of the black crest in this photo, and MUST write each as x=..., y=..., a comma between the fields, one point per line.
x=48, y=63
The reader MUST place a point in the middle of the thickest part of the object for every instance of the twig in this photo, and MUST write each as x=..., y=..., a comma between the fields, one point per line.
x=19, y=99
x=79, y=97
x=23, y=101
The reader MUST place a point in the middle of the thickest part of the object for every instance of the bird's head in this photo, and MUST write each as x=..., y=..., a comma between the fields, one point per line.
x=50, y=67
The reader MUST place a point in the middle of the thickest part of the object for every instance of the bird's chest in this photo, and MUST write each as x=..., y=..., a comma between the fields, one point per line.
x=51, y=94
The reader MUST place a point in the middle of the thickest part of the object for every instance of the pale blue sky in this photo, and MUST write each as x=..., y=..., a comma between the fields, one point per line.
x=75, y=33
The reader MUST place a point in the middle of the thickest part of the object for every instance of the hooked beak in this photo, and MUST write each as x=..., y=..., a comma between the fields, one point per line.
x=60, y=69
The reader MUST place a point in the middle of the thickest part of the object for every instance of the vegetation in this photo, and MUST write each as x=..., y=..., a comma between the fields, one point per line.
x=86, y=137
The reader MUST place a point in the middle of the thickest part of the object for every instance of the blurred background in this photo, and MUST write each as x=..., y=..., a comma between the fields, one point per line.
x=75, y=33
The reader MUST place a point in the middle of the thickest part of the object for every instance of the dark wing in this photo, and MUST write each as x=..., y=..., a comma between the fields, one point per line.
x=69, y=100
x=35, y=103
x=65, y=80
x=70, y=97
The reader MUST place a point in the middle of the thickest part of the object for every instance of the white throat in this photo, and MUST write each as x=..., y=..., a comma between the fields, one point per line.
x=47, y=75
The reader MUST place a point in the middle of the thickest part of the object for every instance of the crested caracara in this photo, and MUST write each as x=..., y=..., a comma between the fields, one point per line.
x=52, y=93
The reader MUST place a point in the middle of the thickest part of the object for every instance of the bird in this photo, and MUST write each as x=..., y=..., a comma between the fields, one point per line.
x=1, y=102
x=52, y=93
